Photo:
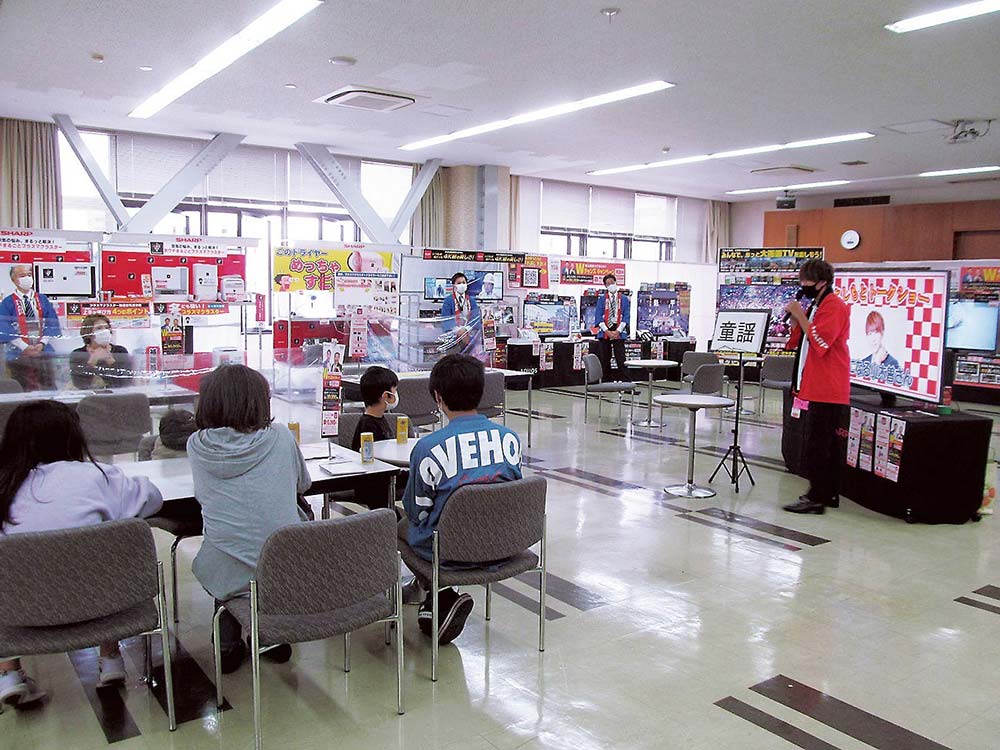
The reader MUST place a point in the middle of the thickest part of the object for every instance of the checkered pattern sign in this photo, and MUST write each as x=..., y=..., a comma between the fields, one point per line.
x=914, y=302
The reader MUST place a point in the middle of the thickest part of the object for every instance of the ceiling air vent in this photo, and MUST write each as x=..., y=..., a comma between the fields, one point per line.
x=854, y=163
x=788, y=170
x=871, y=200
x=370, y=100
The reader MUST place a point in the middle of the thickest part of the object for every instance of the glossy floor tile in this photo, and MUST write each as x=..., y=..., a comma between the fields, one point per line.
x=715, y=623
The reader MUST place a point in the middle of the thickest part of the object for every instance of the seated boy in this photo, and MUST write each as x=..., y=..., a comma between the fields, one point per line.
x=378, y=391
x=470, y=450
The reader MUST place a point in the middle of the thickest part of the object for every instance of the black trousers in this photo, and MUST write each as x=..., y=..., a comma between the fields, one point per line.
x=824, y=450
x=604, y=349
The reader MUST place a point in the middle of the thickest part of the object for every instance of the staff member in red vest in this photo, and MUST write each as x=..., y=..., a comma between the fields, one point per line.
x=28, y=323
x=822, y=380
x=612, y=323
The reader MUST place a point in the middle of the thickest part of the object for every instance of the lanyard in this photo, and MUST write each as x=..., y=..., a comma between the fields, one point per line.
x=22, y=317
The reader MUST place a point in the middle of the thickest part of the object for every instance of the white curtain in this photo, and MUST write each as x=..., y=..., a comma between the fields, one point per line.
x=432, y=213
x=716, y=230
x=29, y=175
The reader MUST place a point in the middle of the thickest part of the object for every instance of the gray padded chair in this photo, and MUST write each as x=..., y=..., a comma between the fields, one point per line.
x=484, y=522
x=9, y=385
x=691, y=361
x=6, y=409
x=114, y=422
x=707, y=380
x=593, y=374
x=776, y=374
x=416, y=402
x=317, y=580
x=76, y=588
x=494, y=401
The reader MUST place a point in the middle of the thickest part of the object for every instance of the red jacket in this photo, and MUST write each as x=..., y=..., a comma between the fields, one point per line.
x=827, y=374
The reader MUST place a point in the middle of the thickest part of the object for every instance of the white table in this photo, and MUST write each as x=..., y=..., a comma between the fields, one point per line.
x=397, y=454
x=158, y=394
x=692, y=402
x=650, y=365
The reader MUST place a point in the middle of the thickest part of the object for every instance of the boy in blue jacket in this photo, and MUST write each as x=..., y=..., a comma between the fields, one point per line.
x=470, y=450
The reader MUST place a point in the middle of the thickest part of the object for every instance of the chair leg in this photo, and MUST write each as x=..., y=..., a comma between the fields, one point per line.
x=147, y=665
x=173, y=577
x=489, y=601
x=505, y=406
x=586, y=400
x=400, y=709
x=217, y=648
x=434, y=610
x=255, y=663
x=621, y=402
x=347, y=652
x=541, y=592
x=168, y=671
x=388, y=633
x=600, y=403
x=325, y=513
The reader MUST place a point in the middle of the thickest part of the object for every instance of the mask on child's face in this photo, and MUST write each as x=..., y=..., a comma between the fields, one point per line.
x=102, y=337
x=392, y=400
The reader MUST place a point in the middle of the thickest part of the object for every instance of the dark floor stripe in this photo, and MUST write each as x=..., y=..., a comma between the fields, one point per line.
x=599, y=478
x=194, y=692
x=854, y=722
x=108, y=702
x=774, y=725
x=531, y=460
x=993, y=592
x=770, y=528
x=527, y=602
x=763, y=462
x=565, y=591
x=739, y=532
x=536, y=413
x=558, y=478
x=655, y=495
x=978, y=605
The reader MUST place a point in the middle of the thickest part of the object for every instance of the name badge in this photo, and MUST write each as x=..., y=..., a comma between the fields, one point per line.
x=799, y=405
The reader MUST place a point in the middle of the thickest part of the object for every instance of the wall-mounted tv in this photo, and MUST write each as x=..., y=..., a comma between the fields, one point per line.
x=551, y=316
x=483, y=285
x=972, y=325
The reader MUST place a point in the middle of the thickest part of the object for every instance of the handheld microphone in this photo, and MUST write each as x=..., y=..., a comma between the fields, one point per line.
x=798, y=298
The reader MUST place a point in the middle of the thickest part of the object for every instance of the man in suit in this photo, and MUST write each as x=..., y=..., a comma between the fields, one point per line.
x=461, y=313
x=612, y=316
x=28, y=324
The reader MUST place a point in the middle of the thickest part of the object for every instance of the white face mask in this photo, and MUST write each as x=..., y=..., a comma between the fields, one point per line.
x=26, y=282
x=460, y=288
x=102, y=337
x=612, y=288
x=392, y=404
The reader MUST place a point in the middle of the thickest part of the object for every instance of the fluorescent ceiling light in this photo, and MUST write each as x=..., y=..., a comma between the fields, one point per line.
x=938, y=17
x=543, y=114
x=737, y=152
x=801, y=186
x=970, y=170
x=275, y=20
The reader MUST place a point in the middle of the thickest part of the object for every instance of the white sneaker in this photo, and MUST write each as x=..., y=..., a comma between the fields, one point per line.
x=112, y=669
x=17, y=689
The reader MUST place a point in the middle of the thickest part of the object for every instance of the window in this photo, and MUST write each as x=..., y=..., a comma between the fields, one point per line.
x=652, y=248
x=223, y=223
x=385, y=187
x=83, y=207
x=556, y=241
x=601, y=247
x=337, y=229
x=303, y=227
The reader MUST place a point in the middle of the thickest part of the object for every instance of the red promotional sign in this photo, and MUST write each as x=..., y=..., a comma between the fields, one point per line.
x=259, y=308
x=589, y=272
x=532, y=274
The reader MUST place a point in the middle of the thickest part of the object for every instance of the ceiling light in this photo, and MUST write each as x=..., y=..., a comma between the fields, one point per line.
x=290, y=86
x=258, y=31
x=737, y=152
x=938, y=17
x=145, y=68
x=802, y=186
x=543, y=114
x=97, y=57
x=344, y=61
x=970, y=170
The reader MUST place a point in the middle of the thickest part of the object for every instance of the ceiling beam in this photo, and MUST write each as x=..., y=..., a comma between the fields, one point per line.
x=416, y=194
x=104, y=188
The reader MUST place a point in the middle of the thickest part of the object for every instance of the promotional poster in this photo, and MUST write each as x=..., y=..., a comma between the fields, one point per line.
x=590, y=272
x=306, y=268
x=333, y=357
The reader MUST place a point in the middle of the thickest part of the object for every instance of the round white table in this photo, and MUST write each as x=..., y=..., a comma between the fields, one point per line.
x=397, y=454
x=692, y=402
x=650, y=365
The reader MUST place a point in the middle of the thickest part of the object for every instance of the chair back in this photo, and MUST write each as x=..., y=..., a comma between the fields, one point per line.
x=592, y=369
x=320, y=566
x=777, y=369
x=485, y=522
x=493, y=392
x=6, y=409
x=691, y=361
x=114, y=422
x=9, y=385
x=346, y=427
x=708, y=379
x=50, y=578
x=416, y=401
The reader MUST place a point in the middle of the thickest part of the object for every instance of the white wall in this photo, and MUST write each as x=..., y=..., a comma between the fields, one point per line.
x=692, y=217
x=746, y=227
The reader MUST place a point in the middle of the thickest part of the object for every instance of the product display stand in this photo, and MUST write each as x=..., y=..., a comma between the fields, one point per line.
x=735, y=453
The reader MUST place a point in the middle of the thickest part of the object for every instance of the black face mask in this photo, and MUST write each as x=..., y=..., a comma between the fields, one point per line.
x=810, y=292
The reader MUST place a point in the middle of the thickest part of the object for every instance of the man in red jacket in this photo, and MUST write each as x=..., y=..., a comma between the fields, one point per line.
x=821, y=383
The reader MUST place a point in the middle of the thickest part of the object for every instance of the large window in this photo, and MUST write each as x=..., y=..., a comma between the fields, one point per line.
x=82, y=207
x=385, y=187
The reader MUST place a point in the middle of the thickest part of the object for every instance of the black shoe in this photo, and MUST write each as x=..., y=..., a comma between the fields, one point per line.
x=805, y=505
x=833, y=502
x=454, y=611
x=232, y=657
x=275, y=654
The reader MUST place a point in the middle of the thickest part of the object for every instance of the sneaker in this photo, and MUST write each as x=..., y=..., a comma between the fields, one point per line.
x=112, y=670
x=17, y=689
x=413, y=592
x=806, y=505
x=232, y=657
x=454, y=611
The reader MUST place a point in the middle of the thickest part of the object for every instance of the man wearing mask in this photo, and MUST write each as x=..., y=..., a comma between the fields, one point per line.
x=28, y=323
x=612, y=317
x=821, y=382
x=460, y=309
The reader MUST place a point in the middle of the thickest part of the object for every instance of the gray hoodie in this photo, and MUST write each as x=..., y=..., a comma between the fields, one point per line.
x=246, y=484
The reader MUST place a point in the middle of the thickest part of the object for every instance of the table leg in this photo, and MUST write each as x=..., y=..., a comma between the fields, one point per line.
x=648, y=422
x=529, y=410
x=690, y=489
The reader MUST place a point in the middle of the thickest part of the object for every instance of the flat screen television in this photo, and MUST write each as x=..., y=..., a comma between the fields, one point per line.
x=897, y=333
x=771, y=297
x=660, y=313
x=588, y=312
x=485, y=286
x=972, y=325
x=550, y=317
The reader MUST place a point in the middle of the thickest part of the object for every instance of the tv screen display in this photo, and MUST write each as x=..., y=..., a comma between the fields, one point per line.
x=485, y=286
x=897, y=331
x=550, y=317
x=972, y=324
x=660, y=313
x=436, y=288
x=773, y=297
x=588, y=312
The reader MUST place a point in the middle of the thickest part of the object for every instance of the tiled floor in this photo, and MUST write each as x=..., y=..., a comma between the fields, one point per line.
x=836, y=631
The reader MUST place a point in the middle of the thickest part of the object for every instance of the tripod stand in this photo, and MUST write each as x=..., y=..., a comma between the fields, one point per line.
x=735, y=453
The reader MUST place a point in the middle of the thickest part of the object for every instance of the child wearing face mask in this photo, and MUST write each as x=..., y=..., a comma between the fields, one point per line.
x=99, y=363
x=378, y=390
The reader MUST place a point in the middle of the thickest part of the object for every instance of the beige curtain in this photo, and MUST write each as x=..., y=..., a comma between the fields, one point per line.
x=515, y=213
x=29, y=175
x=716, y=231
x=432, y=213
